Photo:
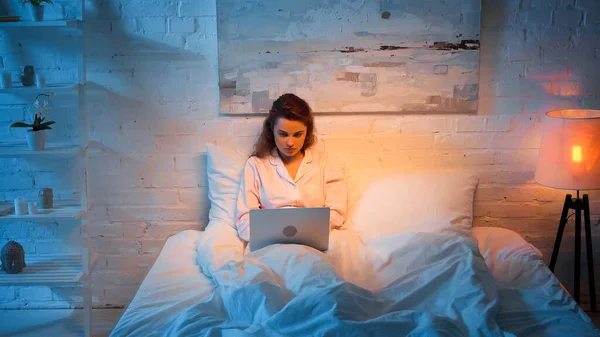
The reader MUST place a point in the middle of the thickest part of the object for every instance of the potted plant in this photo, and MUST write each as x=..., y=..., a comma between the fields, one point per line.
x=36, y=137
x=36, y=10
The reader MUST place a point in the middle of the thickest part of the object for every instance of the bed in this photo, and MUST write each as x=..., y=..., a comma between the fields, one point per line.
x=175, y=283
x=413, y=270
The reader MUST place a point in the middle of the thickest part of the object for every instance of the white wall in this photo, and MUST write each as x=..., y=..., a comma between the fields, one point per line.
x=153, y=104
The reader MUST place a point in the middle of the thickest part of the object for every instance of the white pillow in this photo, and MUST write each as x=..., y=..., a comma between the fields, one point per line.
x=401, y=202
x=357, y=182
x=225, y=164
x=505, y=252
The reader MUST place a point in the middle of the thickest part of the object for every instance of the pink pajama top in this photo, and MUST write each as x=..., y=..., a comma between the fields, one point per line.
x=266, y=183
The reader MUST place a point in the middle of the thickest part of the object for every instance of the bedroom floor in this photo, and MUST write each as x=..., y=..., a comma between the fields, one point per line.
x=33, y=323
x=57, y=322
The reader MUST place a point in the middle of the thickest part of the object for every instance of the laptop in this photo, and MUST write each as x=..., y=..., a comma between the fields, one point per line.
x=304, y=226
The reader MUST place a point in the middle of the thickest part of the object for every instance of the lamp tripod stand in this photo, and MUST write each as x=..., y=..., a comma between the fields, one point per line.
x=578, y=205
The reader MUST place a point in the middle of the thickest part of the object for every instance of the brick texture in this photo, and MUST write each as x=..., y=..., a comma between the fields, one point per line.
x=153, y=104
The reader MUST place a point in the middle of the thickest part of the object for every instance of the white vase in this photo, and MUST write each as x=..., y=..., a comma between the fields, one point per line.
x=36, y=12
x=36, y=140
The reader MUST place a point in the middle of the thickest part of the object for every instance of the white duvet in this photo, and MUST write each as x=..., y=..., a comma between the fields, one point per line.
x=413, y=284
x=177, y=299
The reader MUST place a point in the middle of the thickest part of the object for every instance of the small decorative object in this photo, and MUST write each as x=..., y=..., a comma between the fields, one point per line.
x=6, y=80
x=36, y=10
x=20, y=206
x=6, y=208
x=27, y=76
x=31, y=207
x=40, y=81
x=45, y=197
x=13, y=258
x=36, y=137
x=36, y=13
x=36, y=140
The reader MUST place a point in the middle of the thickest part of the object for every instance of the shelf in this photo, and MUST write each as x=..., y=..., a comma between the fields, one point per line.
x=20, y=150
x=47, y=23
x=17, y=88
x=50, y=270
x=61, y=211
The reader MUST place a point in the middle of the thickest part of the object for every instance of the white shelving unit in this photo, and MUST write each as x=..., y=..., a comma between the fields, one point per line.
x=60, y=212
x=57, y=269
x=55, y=87
x=20, y=150
x=46, y=270
x=17, y=88
x=47, y=23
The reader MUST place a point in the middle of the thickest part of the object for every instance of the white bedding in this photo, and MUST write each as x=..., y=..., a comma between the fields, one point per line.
x=428, y=284
x=173, y=284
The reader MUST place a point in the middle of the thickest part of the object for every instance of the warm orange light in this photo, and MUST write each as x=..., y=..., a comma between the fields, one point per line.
x=565, y=89
x=569, y=156
x=577, y=154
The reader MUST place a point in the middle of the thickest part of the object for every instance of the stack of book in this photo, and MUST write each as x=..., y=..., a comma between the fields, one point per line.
x=10, y=18
x=6, y=208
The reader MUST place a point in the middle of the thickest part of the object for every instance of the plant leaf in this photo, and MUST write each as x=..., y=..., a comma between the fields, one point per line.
x=20, y=125
x=47, y=123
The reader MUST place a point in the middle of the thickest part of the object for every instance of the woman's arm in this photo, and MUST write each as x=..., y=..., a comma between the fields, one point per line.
x=248, y=198
x=335, y=192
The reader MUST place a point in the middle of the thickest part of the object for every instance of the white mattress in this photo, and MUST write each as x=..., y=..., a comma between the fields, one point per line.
x=175, y=283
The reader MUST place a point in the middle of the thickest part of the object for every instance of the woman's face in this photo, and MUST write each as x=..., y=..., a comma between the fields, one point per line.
x=289, y=137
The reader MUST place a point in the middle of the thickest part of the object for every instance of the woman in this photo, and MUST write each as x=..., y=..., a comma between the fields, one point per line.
x=286, y=170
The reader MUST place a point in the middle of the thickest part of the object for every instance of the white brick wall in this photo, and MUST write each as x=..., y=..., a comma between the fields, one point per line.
x=153, y=98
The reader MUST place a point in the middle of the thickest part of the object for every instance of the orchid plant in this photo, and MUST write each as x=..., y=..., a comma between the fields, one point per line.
x=39, y=120
x=34, y=2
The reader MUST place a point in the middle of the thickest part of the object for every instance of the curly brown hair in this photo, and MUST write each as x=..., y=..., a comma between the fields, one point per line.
x=290, y=107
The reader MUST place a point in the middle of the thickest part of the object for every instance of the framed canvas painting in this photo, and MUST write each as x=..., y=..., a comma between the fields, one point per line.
x=349, y=56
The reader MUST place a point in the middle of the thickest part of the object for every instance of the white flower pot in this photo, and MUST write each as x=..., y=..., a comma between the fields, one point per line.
x=36, y=12
x=36, y=140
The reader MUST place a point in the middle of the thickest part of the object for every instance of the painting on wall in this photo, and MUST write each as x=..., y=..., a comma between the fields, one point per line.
x=349, y=56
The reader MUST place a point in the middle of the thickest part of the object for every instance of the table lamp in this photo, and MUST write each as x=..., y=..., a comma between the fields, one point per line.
x=569, y=158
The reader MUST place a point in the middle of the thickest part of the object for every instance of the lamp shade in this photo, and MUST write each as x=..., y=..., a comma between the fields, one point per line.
x=569, y=156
